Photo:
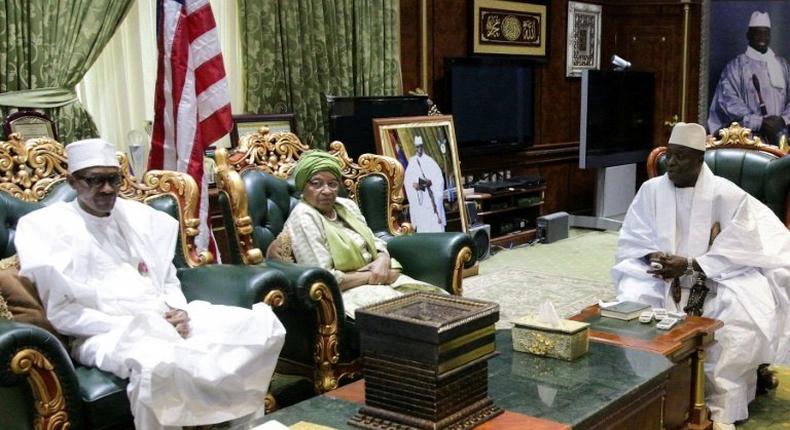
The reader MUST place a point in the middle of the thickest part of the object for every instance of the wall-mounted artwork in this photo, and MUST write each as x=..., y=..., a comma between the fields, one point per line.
x=584, y=38
x=510, y=28
x=745, y=74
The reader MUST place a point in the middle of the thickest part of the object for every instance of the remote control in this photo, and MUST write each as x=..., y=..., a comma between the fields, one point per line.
x=667, y=323
x=659, y=313
x=646, y=317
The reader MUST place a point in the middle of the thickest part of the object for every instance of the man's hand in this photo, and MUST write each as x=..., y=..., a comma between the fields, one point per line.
x=180, y=320
x=673, y=266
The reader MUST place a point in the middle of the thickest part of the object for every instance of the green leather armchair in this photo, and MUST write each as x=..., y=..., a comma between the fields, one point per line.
x=40, y=385
x=256, y=197
x=761, y=170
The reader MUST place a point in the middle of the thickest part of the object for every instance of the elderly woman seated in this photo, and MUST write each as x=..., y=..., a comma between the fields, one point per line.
x=330, y=232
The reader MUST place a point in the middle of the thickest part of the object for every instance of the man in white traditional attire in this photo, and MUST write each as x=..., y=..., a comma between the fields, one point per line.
x=753, y=88
x=103, y=269
x=701, y=228
x=425, y=190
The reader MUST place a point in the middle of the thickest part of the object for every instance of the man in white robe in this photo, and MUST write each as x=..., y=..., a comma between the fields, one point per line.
x=424, y=183
x=103, y=269
x=747, y=266
x=753, y=88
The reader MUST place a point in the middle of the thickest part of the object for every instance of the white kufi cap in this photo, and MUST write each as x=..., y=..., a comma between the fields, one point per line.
x=418, y=141
x=688, y=134
x=760, y=19
x=91, y=153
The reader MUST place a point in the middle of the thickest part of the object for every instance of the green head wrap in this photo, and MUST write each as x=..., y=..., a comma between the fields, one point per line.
x=313, y=162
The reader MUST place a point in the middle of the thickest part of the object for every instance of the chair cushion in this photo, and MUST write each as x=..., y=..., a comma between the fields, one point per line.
x=104, y=397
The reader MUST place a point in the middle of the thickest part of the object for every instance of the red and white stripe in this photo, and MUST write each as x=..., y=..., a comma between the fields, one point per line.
x=192, y=103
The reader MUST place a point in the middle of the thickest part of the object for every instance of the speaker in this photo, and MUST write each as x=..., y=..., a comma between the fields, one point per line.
x=481, y=236
x=553, y=227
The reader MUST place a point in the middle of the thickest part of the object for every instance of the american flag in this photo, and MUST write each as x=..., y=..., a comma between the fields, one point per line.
x=192, y=104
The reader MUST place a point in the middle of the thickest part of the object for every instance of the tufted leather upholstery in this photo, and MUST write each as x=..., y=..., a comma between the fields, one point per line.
x=93, y=399
x=759, y=170
x=256, y=200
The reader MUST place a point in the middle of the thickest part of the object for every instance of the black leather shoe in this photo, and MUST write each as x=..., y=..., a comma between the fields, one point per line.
x=766, y=379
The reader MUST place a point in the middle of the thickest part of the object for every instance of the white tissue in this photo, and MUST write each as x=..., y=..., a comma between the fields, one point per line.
x=548, y=314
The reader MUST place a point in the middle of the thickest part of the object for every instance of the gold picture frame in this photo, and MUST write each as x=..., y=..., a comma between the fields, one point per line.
x=29, y=125
x=501, y=27
x=436, y=170
x=250, y=123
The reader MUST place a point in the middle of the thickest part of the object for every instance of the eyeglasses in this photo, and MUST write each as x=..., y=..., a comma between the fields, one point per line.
x=97, y=181
x=318, y=184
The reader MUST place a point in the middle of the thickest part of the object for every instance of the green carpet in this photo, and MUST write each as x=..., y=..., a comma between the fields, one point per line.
x=574, y=273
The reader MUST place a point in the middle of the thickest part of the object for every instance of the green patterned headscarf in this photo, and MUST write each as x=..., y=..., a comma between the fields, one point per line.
x=313, y=162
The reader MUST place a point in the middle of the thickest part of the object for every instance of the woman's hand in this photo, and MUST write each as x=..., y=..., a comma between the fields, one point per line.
x=379, y=270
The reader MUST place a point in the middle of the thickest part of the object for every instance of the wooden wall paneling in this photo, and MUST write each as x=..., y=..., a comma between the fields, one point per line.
x=450, y=30
x=410, y=42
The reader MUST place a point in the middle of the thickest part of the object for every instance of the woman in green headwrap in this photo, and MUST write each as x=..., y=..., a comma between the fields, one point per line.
x=330, y=232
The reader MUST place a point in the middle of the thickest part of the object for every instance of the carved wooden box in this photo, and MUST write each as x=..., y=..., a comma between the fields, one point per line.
x=425, y=362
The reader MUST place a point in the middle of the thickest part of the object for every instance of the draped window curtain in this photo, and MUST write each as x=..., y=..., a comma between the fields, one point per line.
x=298, y=51
x=45, y=49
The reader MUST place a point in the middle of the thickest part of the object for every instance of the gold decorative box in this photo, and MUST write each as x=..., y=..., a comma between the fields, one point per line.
x=568, y=341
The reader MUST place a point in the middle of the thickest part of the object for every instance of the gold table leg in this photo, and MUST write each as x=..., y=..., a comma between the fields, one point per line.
x=698, y=418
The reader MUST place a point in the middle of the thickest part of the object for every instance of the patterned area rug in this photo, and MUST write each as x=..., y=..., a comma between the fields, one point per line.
x=524, y=290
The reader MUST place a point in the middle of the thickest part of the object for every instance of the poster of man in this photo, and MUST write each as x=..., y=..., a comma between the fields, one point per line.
x=427, y=151
x=749, y=74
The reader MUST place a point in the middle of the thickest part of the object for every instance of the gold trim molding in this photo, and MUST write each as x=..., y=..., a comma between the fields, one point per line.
x=458, y=271
x=50, y=404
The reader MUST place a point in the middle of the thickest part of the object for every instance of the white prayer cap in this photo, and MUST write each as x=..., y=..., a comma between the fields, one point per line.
x=418, y=141
x=688, y=134
x=90, y=153
x=760, y=19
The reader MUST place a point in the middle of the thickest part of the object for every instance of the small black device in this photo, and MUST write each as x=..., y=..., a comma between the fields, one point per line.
x=471, y=213
x=553, y=227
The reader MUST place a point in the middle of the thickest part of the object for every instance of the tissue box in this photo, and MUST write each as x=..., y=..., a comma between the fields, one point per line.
x=568, y=341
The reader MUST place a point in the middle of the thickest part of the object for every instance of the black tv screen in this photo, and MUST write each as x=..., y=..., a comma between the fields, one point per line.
x=616, y=124
x=492, y=103
x=351, y=118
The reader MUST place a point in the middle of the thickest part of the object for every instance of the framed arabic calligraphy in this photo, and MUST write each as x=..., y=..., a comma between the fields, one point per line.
x=503, y=27
x=584, y=38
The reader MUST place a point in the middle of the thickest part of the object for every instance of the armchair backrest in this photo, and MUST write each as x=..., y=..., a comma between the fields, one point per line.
x=33, y=175
x=256, y=191
x=761, y=170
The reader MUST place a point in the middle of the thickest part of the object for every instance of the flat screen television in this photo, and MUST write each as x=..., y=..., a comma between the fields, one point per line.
x=616, y=124
x=492, y=103
x=351, y=118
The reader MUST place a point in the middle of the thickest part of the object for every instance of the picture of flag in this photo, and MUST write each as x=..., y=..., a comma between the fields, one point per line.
x=191, y=102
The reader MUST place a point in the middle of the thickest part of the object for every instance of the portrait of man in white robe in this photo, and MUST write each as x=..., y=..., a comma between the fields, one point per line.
x=424, y=182
x=753, y=88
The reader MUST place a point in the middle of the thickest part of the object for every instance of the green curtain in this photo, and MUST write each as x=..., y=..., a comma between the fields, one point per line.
x=298, y=51
x=47, y=46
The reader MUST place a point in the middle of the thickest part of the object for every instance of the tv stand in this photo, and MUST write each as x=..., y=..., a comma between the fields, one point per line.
x=614, y=191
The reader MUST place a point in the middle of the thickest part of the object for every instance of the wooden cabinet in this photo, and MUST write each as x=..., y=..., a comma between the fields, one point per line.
x=511, y=213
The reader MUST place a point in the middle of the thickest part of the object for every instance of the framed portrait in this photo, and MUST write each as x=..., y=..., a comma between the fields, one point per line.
x=584, y=38
x=250, y=123
x=724, y=27
x=29, y=125
x=502, y=27
x=427, y=149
